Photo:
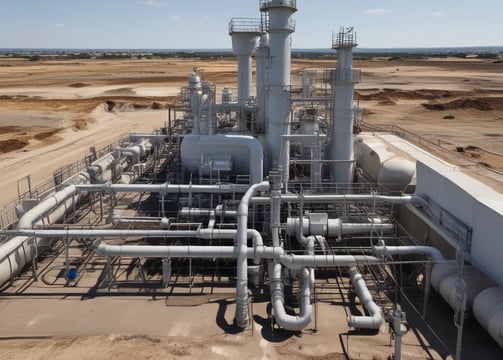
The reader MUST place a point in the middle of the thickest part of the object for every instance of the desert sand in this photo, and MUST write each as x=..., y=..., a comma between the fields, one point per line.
x=52, y=112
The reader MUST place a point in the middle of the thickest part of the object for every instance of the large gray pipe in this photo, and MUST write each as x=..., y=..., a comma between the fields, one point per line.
x=430, y=251
x=374, y=320
x=290, y=322
x=20, y=250
x=166, y=188
x=242, y=265
x=401, y=200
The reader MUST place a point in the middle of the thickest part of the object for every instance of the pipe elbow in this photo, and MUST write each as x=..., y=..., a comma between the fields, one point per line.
x=294, y=322
x=366, y=322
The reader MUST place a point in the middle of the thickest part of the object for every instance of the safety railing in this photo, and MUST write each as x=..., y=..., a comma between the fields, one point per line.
x=8, y=210
x=244, y=25
x=344, y=38
x=435, y=144
x=265, y=4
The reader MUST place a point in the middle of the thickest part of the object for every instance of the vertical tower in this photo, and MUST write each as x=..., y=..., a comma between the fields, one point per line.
x=341, y=149
x=262, y=61
x=245, y=35
x=280, y=27
x=195, y=102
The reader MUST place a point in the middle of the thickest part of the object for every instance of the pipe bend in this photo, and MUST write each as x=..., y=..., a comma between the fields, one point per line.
x=375, y=319
x=430, y=251
x=286, y=321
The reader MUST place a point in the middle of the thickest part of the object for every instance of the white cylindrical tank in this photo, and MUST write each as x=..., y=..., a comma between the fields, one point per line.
x=383, y=163
x=488, y=310
x=444, y=277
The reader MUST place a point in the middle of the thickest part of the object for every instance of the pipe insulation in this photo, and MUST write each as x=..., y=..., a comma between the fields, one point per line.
x=20, y=250
x=165, y=188
x=488, y=310
x=330, y=198
x=286, y=321
x=320, y=224
x=242, y=319
x=375, y=317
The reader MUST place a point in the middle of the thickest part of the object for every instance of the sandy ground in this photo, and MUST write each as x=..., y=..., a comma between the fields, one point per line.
x=52, y=112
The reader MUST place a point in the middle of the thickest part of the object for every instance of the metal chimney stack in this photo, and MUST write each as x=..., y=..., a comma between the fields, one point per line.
x=341, y=149
x=245, y=35
x=280, y=26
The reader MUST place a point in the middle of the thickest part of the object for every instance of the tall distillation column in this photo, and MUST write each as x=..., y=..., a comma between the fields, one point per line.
x=280, y=27
x=195, y=102
x=341, y=149
x=262, y=62
x=245, y=35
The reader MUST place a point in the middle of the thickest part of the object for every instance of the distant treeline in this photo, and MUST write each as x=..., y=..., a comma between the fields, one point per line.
x=392, y=54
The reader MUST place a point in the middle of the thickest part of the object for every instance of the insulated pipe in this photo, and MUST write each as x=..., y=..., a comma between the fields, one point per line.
x=430, y=251
x=101, y=169
x=242, y=319
x=185, y=251
x=488, y=310
x=290, y=322
x=374, y=320
x=166, y=188
x=333, y=227
x=136, y=151
x=297, y=262
x=207, y=234
x=401, y=200
x=20, y=250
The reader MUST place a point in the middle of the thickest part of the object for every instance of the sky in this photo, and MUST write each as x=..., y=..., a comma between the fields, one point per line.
x=203, y=24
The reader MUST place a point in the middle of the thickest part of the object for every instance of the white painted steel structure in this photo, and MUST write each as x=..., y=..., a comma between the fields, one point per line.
x=230, y=179
x=245, y=36
x=280, y=28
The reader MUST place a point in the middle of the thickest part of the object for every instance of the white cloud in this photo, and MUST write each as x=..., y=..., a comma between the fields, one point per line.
x=59, y=26
x=175, y=18
x=153, y=3
x=437, y=13
x=376, y=11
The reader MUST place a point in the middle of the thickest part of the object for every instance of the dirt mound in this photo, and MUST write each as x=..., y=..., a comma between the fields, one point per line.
x=47, y=134
x=121, y=91
x=12, y=145
x=121, y=106
x=80, y=124
x=10, y=129
x=476, y=104
x=78, y=85
x=386, y=102
x=395, y=94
